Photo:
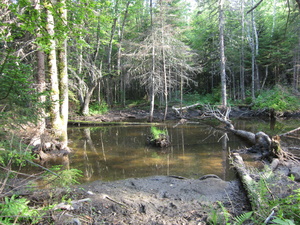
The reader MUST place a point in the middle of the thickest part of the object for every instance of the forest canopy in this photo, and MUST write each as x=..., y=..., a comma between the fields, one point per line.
x=105, y=53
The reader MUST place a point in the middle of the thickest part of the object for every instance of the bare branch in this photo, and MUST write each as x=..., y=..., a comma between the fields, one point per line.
x=254, y=7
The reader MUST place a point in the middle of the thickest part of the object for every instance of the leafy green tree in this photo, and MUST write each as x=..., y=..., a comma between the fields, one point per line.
x=87, y=48
x=19, y=101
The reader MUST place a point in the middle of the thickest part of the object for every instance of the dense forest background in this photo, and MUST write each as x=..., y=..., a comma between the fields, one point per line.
x=88, y=55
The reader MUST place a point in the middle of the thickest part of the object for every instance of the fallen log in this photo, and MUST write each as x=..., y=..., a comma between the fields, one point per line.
x=249, y=184
x=268, y=147
x=260, y=140
x=178, y=109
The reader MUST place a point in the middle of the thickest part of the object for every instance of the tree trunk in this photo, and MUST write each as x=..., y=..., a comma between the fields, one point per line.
x=242, y=68
x=120, y=74
x=222, y=53
x=109, y=94
x=41, y=83
x=254, y=52
x=296, y=66
x=164, y=64
x=298, y=2
x=41, y=87
x=152, y=89
x=87, y=98
x=58, y=74
x=63, y=77
x=53, y=73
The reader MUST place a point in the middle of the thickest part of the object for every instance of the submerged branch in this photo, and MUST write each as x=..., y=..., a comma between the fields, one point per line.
x=290, y=132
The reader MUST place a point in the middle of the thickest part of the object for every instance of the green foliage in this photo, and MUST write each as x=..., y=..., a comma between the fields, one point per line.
x=220, y=215
x=18, y=100
x=195, y=97
x=225, y=214
x=97, y=108
x=277, y=98
x=65, y=178
x=157, y=132
x=191, y=98
x=282, y=221
x=213, y=217
x=240, y=219
x=288, y=208
x=15, y=152
x=15, y=209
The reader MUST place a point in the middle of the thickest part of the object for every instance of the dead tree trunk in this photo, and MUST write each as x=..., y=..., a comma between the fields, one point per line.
x=249, y=184
x=268, y=147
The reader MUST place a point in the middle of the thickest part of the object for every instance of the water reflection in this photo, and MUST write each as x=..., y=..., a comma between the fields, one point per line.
x=119, y=152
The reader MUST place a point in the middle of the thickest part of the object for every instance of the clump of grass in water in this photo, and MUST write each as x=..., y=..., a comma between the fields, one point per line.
x=156, y=133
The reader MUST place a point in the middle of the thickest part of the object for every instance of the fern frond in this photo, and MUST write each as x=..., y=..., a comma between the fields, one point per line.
x=240, y=219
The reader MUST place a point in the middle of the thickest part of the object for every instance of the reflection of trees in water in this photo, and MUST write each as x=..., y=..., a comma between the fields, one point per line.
x=121, y=152
x=225, y=151
x=88, y=164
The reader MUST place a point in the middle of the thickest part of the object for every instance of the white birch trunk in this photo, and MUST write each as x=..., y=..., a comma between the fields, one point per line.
x=52, y=70
x=63, y=78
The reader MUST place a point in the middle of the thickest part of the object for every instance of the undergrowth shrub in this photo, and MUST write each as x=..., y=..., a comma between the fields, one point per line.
x=17, y=210
x=155, y=132
x=286, y=209
x=195, y=97
x=14, y=152
x=278, y=98
x=14, y=209
x=96, y=108
x=63, y=177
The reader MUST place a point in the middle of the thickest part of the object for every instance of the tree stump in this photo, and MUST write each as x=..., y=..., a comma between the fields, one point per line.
x=161, y=141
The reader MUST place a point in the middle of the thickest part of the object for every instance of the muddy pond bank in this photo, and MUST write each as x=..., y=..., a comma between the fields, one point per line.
x=151, y=200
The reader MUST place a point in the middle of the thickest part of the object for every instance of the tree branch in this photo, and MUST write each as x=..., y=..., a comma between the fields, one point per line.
x=254, y=7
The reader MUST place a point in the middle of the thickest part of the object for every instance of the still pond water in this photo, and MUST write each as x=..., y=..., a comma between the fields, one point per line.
x=118, y=152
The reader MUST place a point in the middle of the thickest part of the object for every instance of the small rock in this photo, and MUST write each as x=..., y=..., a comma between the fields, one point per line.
x=295, y=171
x=274, y=164
x=209, y=176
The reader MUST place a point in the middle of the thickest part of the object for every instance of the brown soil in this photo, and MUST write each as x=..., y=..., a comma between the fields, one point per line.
x=151, y=200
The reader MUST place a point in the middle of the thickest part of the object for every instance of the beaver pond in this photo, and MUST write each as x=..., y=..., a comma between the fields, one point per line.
x=118, y=152
x=127, y=181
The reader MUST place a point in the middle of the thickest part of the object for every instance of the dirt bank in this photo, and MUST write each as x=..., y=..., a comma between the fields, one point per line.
x=153, y=200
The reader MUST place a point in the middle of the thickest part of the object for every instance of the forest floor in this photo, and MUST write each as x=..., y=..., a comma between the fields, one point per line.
x=117, y=115
x=152, y=200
